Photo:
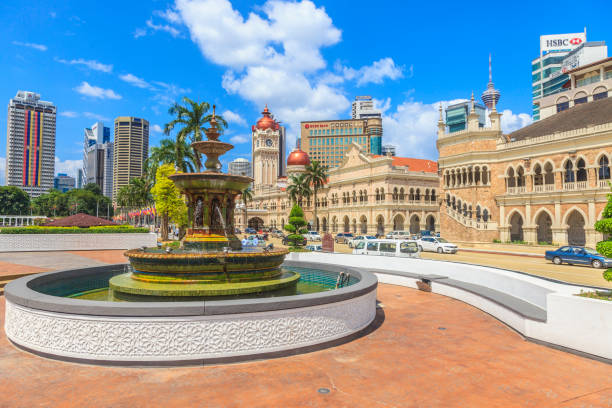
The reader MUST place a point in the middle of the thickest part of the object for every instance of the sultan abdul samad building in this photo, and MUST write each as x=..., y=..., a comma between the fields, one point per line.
x=546, y=182
x=365, y=193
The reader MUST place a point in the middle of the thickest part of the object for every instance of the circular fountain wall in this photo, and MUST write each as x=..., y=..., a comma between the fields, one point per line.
x=189, y=332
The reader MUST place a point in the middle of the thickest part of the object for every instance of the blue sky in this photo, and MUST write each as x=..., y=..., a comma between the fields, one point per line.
x=306, y=60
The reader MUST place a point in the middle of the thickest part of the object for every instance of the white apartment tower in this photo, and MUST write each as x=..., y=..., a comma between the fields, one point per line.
x=30, y=143
x=363, y=108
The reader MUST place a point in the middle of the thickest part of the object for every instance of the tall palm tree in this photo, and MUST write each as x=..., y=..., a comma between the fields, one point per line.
x=191, y=116
x=170, y=151
x=246, y=195
x=298, y=188
x=316, y=176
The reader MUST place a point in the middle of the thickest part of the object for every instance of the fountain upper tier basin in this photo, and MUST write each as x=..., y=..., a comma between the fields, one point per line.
x=210, y=181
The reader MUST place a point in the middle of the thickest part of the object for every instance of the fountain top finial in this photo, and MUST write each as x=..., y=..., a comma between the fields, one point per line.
x=212, y=133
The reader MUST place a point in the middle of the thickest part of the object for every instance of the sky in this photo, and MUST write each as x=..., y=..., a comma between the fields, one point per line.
x=306, y=60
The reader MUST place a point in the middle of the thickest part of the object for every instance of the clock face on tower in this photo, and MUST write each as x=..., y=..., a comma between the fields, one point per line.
x=269, y=142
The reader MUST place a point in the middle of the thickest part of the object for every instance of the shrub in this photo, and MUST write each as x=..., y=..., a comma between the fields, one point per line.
x=497, y=241
x=605, y=248
x=106, y=229
x=607, y=275
x=296, y=226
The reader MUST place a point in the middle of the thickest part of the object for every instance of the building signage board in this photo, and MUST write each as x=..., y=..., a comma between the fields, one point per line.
x=557, y=42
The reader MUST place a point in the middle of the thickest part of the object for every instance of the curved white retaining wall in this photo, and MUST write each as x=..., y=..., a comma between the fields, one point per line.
x=185, y=338
x=74, y=242
x=574, y=322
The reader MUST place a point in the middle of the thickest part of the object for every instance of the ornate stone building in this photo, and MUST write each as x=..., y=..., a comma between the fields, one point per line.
x=546, y=182
x=366, y=193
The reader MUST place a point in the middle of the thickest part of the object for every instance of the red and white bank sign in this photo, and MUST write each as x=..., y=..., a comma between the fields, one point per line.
x=556, y=42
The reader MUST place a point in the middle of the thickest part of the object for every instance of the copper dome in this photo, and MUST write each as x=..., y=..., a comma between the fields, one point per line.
x=266, y=122
x=298, y=157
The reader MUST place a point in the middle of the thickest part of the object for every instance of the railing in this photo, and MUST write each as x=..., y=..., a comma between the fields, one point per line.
x=549, y=187
x=516, y=190
x=581, y=185
x=569, y=186
x=538, y=188
x=604, y=184
x=470, y=222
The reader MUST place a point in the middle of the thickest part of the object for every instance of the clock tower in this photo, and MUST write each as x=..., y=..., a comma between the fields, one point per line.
x=267, y=146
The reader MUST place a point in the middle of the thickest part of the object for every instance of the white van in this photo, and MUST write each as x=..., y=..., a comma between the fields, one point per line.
x=388, y=247
x=399, y=235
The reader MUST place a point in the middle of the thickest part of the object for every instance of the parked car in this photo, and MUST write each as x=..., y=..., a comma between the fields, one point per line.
x=399, y=235
x=343, y=237
x=277, y=233
x=312, y=236
x=237, y=231
x=576, y=255
x=316, y=248
x=436, y=244
x=388, y=247
x=358, y=238
x=250, y=230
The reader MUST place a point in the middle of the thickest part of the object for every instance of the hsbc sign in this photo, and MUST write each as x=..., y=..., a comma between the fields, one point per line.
x=558, y=42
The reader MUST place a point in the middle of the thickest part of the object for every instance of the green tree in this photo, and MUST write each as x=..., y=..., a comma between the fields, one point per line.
x=316, y=176
x=191, y=118
x=298, y=188
x=168, y=200
x=295, y=226
x=93, y=187
x=170, y=151
x=13, y=201
x=605, y=226
x=246, y=196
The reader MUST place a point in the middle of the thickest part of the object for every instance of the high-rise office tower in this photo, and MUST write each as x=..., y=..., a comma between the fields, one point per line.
x=131, y=148
x=389, y=150
x=63, y=182
x=30, y=143
x=363, y=108
x=98, y=158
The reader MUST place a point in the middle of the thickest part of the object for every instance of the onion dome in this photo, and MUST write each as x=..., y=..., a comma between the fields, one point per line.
x=298, y=157
x=490, y=97
x=266, y=122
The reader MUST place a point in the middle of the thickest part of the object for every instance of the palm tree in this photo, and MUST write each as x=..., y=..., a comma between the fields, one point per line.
x=298, y=188
x=316, y=176
x=191, y=116
x=246, y=195
x=170, y=151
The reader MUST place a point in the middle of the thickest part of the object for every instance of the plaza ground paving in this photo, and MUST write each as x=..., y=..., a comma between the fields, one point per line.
x=425, y=350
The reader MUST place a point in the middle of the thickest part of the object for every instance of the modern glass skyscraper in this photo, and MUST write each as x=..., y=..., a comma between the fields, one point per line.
x=457, y=116
x=131, y=149
x=30, y=143
x=98, y=158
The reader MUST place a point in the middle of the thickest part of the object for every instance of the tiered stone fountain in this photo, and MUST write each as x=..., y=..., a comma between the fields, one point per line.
x=210, y=261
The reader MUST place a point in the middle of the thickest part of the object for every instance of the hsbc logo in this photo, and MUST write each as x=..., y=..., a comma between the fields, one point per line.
x=562, y=42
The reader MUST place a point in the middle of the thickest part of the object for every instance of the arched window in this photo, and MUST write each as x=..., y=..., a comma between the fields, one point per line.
x=402, y=194
x=395, y=194
x=478, y=215
x=477, y=175
x=549, y=176
x=485, y=215
x=465, y=211
x=426, y=195
x=604, y=168
x=511, y=180
x=354, y=196
x=433, y=197
x=569, y=172
x=417, y=194
x=520, y=177
x=382, y=194
x=538, y=177
x=448, y=200
x=485, y=176
x=581, y=172
x=377, y=195
x=470, y=211
x=411, y=194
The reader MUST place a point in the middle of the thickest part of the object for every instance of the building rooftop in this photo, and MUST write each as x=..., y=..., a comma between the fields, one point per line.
x=576, y=117
x=427, y=166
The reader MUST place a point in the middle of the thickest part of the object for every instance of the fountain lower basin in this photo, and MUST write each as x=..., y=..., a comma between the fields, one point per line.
x=190, y=332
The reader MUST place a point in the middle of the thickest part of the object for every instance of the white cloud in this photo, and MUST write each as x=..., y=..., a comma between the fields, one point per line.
x=375, y=73
x=513, y=121
x=140, y=32
x=91, y=64
x=135, y=81
x=163, y=27
x=273, y=55
x=96, y=91
x=233, y=117
x=95, y=116
x=69, y=167
x=39, y=47
x=157, y=129
x=169, y=15
x=69, y=114
x=2, y=170
x=238, y=139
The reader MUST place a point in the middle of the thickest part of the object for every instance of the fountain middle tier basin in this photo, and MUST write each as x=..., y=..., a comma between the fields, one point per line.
x=201, y=274
x=211, y=182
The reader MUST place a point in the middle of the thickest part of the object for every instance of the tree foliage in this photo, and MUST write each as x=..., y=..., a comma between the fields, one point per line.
x=316, y=176
x=169, y=202
x=605, y=226
x=135, y=194
x=14, y=201
x=299, y=188
x=190, y=119
x=88, y=200
x=296, y=226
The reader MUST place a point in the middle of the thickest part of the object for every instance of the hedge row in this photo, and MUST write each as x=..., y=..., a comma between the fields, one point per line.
x=107, y=229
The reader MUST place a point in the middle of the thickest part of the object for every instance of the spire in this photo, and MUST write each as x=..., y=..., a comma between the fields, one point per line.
x=490, y=96
x=441, y=120
x=490, y=71
x=472, y=107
